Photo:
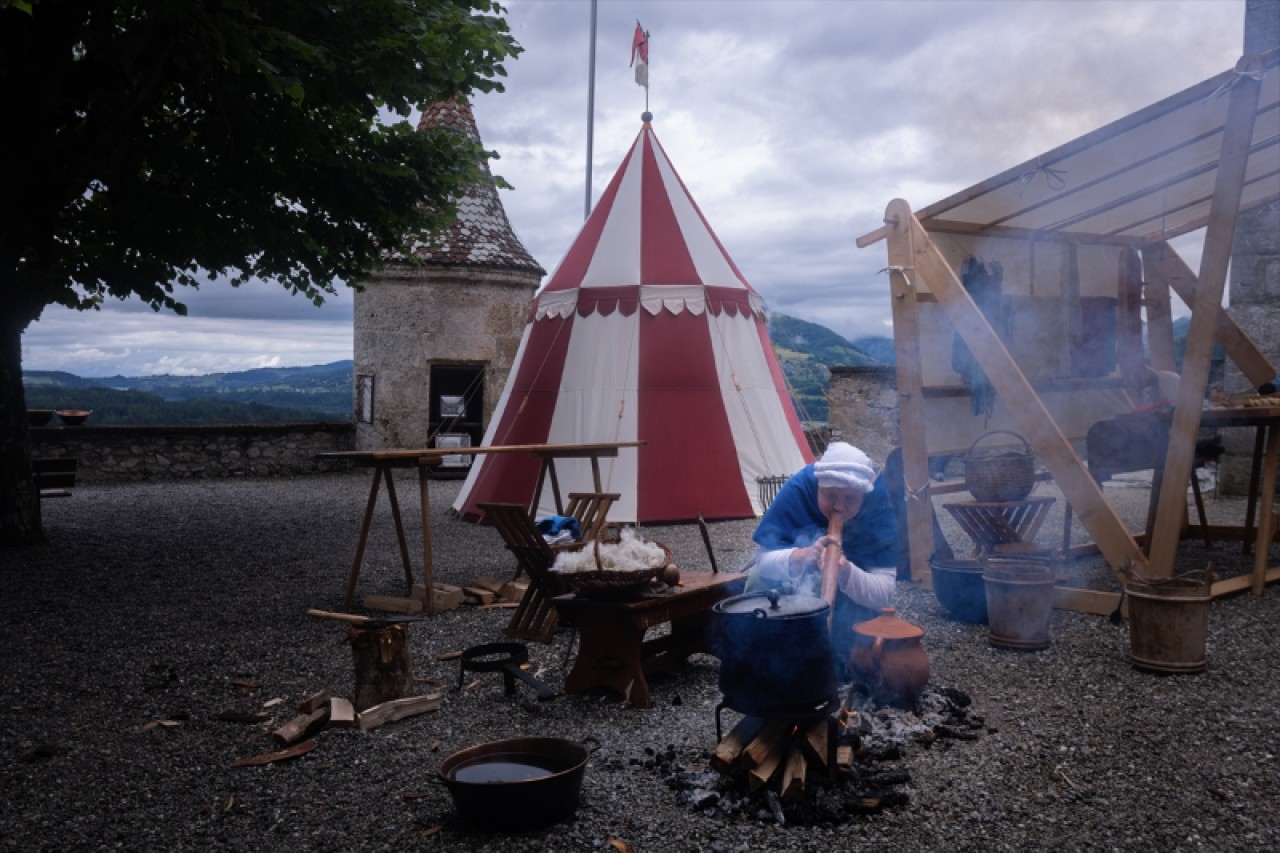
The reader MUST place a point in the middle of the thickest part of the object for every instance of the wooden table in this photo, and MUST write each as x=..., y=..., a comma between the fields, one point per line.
x=383, y=461
x=1000, y=523
x=1262, y=488
x=612, y=650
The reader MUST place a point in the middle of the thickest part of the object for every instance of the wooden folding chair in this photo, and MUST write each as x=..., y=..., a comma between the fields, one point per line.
x=591, y=509
x=535, y=617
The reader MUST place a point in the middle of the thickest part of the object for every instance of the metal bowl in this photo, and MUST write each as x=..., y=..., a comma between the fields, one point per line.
x=73, y=417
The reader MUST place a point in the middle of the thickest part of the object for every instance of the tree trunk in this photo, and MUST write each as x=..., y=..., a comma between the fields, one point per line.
x=19, y=500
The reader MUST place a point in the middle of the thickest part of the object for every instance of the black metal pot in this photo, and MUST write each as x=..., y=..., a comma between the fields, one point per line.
x=518, y=783
x=775, y=654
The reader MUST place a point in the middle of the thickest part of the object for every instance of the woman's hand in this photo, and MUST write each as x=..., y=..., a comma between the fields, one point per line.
x=802, y=558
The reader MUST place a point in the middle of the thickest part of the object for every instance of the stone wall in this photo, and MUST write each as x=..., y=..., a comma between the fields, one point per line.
x=121, y=453
x=864, y=408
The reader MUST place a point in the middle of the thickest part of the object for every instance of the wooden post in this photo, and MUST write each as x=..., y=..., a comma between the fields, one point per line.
x=1228, y=186
x=911, y=416
x=428, y=570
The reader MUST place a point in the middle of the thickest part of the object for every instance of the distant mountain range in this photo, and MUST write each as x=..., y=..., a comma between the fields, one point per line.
x=323, y=392
x=807, y=351
x=262, y=395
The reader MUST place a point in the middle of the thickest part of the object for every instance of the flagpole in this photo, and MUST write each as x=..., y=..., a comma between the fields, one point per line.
x=591, y=108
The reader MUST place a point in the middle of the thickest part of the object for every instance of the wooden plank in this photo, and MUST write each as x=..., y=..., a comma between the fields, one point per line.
x=1159, y=309
x=272, y=757
x=911, y=414
x=1166, y=266
x=1240, y=583
x=393, y=604
x=1026, y=408
x=1093, y=601
x=397, y=709
x=302, y=726
x=1223, y=210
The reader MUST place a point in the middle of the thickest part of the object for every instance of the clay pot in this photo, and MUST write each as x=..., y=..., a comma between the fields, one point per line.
x=889, y=657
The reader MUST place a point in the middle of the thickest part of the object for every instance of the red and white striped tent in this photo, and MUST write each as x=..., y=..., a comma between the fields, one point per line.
x=646, y=331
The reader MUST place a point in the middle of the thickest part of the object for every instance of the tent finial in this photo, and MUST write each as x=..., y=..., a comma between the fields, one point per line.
x=646, y=116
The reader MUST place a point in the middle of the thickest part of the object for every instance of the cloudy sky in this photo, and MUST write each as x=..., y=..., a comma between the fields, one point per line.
x=792, y=123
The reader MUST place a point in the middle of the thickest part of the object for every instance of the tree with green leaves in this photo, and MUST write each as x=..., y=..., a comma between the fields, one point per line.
x=150, y=143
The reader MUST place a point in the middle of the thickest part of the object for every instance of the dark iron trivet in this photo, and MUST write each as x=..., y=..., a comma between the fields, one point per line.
x=505, y=658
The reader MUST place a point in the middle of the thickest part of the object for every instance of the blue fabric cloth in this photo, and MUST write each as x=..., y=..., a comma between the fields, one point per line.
x=793, y=521
x=555, y=524
x=870, y=541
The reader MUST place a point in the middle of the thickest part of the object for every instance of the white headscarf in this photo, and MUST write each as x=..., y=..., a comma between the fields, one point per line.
x=845, y=466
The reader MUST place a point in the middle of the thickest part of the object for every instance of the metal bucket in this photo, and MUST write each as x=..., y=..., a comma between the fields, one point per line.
x=1168, y=623
x=1019, y=604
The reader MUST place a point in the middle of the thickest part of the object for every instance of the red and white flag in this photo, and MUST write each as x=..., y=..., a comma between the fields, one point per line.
x=640, y=55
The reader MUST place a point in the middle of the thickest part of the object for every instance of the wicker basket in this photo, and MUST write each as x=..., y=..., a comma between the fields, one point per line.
x=999, y=476
x=614, y=583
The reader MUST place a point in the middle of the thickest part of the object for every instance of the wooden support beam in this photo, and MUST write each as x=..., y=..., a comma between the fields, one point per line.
x=911, y=414
x=1228, y=185
x=1026, y=408
x=1159, y=305
x=1164, y=266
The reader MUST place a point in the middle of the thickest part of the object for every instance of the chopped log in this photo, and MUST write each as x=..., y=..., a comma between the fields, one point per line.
x=447, y=596
x=728, y=750
x=815, y=740
x=393, y=604
x=302, y=726
x=316, y=700
x=513, y=590
x=272, y=757
x=383, y=669
x=499, y=605
x=476, y=595
x=766, y=742
x=492, y=584
x=763, y=772
x=342, y=714
x=793, y=774
x=397, y=709
x=844, y=759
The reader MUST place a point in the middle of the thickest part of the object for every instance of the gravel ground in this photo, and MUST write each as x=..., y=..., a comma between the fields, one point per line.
x=152, y=600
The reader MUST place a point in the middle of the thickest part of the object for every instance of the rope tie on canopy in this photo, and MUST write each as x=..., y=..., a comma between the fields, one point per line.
x=1237, y=76
x=1054, y=179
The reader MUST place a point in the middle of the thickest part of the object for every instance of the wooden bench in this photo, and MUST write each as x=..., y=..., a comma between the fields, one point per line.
x=54, y=476
x=612, y=649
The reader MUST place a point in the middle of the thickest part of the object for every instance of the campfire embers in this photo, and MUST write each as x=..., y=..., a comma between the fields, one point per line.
x=821, y=768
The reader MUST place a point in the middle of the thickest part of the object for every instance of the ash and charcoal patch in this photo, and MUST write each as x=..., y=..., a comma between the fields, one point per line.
x=880, y=735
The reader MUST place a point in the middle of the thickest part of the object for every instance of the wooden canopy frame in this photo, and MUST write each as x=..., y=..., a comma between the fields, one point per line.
x=1109, y=202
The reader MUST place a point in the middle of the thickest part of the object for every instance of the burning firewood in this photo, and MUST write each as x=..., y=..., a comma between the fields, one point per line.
x=728, y=750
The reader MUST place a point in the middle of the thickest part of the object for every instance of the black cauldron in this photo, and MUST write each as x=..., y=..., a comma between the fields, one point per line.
x=775, y=654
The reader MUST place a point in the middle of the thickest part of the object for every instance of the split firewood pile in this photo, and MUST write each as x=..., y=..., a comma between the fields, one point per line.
x=483, y=593
x=824, y=770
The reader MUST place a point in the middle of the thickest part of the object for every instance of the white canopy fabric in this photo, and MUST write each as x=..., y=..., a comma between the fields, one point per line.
x=1144, y=178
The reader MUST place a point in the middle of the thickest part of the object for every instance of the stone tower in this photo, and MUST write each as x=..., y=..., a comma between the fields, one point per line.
x=434, y=342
